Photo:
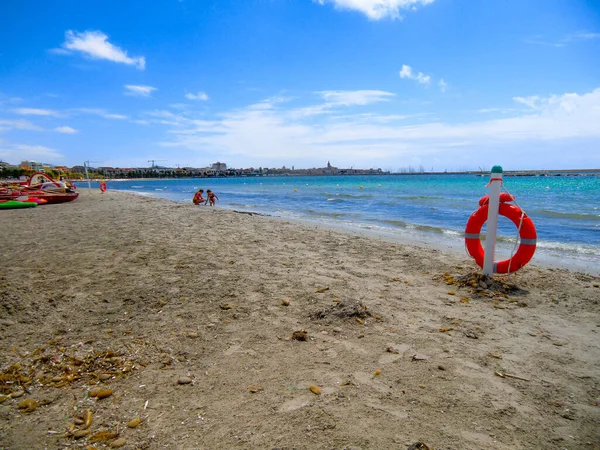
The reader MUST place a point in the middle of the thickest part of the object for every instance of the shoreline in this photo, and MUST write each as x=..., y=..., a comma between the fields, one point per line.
x=224, y=330
x=455, y=247
x=508, y=173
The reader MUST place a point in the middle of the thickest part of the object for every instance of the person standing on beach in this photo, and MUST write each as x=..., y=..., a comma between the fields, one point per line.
x=103, y=186
x=211, y=197
x=198, y=198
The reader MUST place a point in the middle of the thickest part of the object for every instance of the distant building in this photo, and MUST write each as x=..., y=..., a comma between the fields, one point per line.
x=219, y=167
x=78, y=169
x=330, y=170
x=32, y=165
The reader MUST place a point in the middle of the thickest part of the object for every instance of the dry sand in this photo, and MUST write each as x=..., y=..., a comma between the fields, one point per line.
x=137, y=295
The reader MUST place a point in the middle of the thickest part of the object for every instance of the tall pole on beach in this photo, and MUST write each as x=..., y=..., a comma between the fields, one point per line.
x=492, y=221
x=86, y=164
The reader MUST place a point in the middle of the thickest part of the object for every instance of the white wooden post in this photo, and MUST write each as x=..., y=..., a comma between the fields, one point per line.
x=492, y=220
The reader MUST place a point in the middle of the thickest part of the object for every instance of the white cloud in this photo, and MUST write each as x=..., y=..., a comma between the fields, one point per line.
x=199, y=96
x=349, y=98
x=424, y=79
x=442, y=85
x=19, y=152
x=407, y=72
x=531, y=102
x=19, y=124
x=65, y=130
x=36, y=112
x=10, y=100
x=496, y=110
x=114, y=116
x=163, y=114
x=94, y=44
x=577, y=36
x=270, y=103
x=539, y=40
x=276, y=135
x=139, y=91
x=100, y=112
x=333, y=100
x=377, y=9
x=581, y=36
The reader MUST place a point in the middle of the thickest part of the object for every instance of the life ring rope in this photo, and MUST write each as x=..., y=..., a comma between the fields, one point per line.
x=523, y=241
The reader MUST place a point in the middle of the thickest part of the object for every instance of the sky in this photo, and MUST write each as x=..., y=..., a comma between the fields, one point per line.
x=391, y=84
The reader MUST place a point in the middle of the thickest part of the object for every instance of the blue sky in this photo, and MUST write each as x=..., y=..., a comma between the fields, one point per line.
x=391, y=84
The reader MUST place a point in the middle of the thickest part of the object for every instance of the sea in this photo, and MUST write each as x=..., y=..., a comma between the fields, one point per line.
x=419, y=208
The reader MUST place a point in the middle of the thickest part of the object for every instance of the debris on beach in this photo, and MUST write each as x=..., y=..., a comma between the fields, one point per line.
x=184, y=380
x=321, y=290
x=391, y=348
x=57, y=366
x=78, y=434
x=250, y=213
x=28, y=405
x=227, y=306
x=100, y=393
x=103, y=436
x=315, y=390
x=300, y=335
x=134, y=422
x=510, y=375
x=117, y=443
x=17, y=394
x=87, y=419
x=419, y=446
x=342, y=310
x=481, y=285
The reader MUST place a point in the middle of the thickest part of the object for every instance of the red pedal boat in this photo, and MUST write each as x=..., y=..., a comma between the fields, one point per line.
x=40, y=186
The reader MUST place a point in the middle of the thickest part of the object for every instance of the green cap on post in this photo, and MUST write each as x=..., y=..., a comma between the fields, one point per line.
x=497, y=169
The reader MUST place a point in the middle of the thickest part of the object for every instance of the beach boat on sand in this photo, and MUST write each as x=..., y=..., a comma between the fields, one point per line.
x=12, y=204
x=39, y=187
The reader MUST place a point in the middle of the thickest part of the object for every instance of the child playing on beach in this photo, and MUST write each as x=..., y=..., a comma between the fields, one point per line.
x=198, y=197
x=211, y=197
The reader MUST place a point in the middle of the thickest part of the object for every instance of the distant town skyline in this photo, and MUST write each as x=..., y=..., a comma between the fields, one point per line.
x=393, y=84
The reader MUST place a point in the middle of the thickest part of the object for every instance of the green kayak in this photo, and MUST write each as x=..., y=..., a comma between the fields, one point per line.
x=11, y=204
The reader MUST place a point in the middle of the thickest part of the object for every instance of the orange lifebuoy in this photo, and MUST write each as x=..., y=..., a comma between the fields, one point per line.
x=505, y=197
x=527, y=235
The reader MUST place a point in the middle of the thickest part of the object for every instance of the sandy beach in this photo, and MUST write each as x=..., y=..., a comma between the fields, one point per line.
x=218, y=329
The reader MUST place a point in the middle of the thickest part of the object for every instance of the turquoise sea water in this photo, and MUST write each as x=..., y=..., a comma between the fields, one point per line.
x=564, y=209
